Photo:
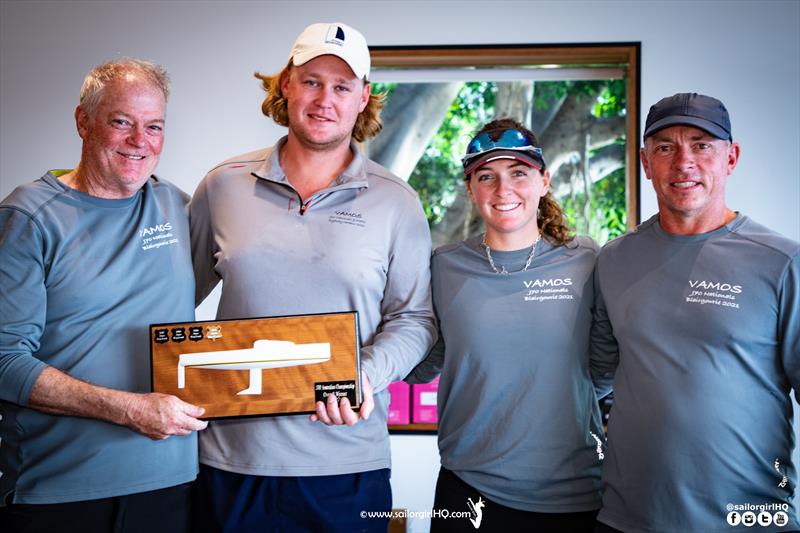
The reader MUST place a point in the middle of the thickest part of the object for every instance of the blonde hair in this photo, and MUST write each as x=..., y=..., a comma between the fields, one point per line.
x=368, y=124
x=550, y=217
x=95, y=82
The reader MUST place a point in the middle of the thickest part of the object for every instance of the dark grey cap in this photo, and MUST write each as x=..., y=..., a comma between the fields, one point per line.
x=690, y=109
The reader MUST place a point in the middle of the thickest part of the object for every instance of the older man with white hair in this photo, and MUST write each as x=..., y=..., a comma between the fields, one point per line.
x=91, y=256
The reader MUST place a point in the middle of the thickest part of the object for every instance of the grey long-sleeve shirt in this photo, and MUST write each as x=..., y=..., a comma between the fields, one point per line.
x=518, y=415
x=360, y=244
x=80, y=280
x=708, y=328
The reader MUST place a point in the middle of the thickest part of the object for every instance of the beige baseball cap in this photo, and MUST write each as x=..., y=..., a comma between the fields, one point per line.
x=333, y=38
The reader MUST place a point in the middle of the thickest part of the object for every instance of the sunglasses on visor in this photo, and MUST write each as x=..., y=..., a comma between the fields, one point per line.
x=509, y=139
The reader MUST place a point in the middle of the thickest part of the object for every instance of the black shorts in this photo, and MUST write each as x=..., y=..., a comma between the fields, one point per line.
x=455, y=497
x=157, y=511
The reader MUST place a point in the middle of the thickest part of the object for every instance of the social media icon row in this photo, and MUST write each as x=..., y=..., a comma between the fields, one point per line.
x=764, y=518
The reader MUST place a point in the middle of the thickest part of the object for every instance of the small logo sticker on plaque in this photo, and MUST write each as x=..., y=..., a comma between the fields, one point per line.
x=339, y=388
x=178, y=334
x=196, y=333
x=214, y=332
x=161, y=336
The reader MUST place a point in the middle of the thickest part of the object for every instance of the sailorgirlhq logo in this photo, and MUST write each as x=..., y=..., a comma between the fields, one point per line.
x=476, y=511
x=754, y=515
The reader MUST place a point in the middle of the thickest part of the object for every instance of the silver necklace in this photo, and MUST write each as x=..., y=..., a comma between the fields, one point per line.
x=502, y=267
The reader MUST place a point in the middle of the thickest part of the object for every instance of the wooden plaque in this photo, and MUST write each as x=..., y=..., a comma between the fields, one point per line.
x=258, y=366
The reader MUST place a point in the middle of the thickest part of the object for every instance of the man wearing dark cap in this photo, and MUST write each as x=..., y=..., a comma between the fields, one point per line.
x=705, y=306
x=310, y=225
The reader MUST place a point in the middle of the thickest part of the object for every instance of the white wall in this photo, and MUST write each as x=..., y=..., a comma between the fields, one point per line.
x=745, y=53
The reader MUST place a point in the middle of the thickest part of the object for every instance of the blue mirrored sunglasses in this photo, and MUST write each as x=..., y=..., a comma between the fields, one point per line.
x=508, y=140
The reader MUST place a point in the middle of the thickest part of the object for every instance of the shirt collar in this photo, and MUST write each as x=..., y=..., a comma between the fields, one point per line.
x=355, y=175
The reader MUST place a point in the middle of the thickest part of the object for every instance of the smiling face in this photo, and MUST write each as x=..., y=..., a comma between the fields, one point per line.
x=123, y=139
x=507, y=193
x=324, y=99
x=689, y=168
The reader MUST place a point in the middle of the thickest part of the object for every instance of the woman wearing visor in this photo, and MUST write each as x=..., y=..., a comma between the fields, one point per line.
x=520, y=433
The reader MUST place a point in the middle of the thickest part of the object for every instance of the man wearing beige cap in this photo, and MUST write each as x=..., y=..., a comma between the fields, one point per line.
x=704, y=303
x=311, y=226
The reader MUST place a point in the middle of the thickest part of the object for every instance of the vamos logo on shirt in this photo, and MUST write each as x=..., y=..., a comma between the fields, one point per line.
x=715, y=286
x=540, y=290
x=704, y=292
x=553, y=282
x=157, y=236
x=352, y=218
x=159, y=228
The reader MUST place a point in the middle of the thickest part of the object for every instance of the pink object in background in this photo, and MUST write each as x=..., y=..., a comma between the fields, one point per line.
x=424, y=403
x=400, y=403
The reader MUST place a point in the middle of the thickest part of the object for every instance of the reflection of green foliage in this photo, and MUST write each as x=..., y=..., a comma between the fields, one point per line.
x=386, y=88
x=438, y=172
x=607, y=216
x=609, y=95
x=548, y=91
x=437, y=175
x=611, y=100
x=607, y=213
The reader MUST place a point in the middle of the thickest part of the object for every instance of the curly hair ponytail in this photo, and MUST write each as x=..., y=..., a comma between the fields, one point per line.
x=552, y=222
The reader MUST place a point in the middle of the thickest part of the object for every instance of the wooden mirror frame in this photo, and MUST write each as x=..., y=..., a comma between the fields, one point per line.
x=624, y=54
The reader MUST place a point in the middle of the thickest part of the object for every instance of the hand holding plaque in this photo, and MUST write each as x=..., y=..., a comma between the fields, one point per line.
x=261, y=366
x=335, y=412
